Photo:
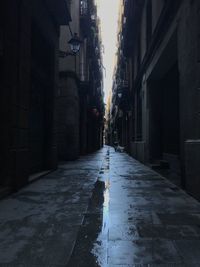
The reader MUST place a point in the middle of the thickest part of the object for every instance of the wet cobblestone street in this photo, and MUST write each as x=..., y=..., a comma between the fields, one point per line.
x=137, y=218
x=103, y=210
x=39, y=224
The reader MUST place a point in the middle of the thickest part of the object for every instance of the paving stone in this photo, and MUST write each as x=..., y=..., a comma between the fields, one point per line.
x=39, y=224
x=123, y=232
x=143, y=252
x=130, y=217
x=189, y=250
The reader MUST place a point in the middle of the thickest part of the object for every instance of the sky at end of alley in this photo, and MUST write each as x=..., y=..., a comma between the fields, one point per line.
x=108, y=12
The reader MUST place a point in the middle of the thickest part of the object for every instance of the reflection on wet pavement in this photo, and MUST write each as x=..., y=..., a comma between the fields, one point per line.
x=92, y=243
x=137, y=218
x=100, y=248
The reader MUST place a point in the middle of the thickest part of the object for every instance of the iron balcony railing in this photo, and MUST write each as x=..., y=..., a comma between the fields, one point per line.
x=83, y=8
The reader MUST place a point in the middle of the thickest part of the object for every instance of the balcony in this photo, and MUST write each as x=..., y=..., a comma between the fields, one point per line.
x=83, y=8
x=122, y=83
x=84, y=17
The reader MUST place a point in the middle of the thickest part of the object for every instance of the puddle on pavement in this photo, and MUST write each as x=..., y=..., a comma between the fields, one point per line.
x=100, y=247
x=92, y=242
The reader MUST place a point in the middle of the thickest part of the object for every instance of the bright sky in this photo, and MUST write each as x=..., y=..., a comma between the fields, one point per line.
x=108, y=11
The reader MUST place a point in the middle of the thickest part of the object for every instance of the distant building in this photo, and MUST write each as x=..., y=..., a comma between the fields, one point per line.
x=156, y=113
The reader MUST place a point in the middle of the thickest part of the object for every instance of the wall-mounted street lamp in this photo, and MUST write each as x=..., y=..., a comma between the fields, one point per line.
x=75, y=44
x=119, y=95
x=95, y=111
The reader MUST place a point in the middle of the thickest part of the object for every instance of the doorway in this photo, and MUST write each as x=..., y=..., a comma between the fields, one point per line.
x=164, y=114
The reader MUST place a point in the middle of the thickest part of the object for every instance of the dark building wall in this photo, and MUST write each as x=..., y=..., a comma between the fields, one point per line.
x=15, y=83
x=28, y=82
x=68, y=117
x=166, y=77
x=9, y=82
x=44, y=44
x=83, y=120
x=180, y=108
x=189, y=45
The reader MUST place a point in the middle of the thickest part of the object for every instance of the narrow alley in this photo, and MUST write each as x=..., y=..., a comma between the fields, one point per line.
x=103, y=210
x=99, y=133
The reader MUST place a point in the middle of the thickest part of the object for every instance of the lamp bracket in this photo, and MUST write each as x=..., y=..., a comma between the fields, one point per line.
x=64, y=54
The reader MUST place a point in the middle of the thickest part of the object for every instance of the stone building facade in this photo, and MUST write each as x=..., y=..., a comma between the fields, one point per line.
x=80, y=89
x=46, y=102
x=67, y=99
x=158, y=60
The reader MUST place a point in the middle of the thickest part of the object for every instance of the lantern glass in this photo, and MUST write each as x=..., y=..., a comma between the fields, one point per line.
x=75, y=48
x=75, y=43
x=119, y=95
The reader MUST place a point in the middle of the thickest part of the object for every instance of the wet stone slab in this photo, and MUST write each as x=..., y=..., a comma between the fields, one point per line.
x=188, y=218
x=154, y=265
x=142, y=220
x=104, y=210
x=40, y=223
x=127, y=232
x=170, y=232
x=143, y=252
x=189, y=250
